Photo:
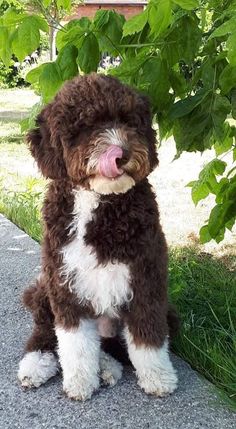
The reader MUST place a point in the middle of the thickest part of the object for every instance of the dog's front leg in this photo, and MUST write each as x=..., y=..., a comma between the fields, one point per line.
x=148, y=351
x=154, y=369
x=79, y=350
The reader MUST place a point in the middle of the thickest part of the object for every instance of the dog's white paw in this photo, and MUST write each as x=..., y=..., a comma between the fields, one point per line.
x=80, y=388
x=158, y=381
x=110, y=369
x=36, y=368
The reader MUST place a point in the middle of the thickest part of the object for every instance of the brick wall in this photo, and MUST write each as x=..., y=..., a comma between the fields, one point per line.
x=90, y=10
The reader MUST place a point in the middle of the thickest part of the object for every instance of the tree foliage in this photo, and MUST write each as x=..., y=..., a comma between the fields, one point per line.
x=181, y=53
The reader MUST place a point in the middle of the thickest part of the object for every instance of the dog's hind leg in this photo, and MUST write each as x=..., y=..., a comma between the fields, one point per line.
x=110, y=369
x=39, y=363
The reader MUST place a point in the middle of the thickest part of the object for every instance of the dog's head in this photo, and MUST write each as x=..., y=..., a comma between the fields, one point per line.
x=97, y=133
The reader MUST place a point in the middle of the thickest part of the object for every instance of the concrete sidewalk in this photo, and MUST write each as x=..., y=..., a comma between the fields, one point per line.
x=193, y=406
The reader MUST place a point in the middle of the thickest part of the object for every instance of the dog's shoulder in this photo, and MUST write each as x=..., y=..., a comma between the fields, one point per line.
x=57, y=211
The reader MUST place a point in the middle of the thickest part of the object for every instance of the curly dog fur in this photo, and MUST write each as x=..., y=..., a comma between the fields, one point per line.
x=104, y=255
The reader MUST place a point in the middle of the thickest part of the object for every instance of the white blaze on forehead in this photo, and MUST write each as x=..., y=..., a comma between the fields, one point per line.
x=114, y=136
x=111, y=136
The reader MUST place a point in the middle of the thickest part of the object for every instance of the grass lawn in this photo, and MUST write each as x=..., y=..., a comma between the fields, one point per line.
x=202, y=287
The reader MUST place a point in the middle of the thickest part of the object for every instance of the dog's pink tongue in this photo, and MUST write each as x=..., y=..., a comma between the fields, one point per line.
x=107, y=162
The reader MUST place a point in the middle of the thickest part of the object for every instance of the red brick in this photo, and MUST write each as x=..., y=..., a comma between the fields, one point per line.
x=90, y=10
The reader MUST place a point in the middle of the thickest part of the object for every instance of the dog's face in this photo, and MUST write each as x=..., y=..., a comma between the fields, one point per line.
x=97, y=133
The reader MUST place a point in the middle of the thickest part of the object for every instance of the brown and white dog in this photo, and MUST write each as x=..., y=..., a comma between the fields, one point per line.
x=104, y=255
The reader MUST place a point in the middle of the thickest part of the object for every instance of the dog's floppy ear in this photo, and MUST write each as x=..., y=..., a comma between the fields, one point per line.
x=48, y=154
x=144, y=111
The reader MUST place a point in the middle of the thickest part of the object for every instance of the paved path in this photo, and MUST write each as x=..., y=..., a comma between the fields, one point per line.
x=193, y=406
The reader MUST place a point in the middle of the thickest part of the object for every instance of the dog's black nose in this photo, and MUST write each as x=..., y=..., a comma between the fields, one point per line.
x=125, y=158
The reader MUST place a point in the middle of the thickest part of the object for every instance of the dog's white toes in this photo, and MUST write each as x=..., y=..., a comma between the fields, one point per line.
x=36, y=368
x=158, y=382
x=110, y=369
x=80, y=388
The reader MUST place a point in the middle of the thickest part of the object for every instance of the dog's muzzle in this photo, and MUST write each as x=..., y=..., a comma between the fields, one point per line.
x=108, y=163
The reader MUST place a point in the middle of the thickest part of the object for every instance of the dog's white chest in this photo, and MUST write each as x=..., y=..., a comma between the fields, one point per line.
x=106, y=287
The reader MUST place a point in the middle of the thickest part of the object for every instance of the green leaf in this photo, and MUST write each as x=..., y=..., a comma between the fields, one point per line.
x=207, y=182
x=224, y=146
x=74, y=35
x=231, y=46
x=226, y=28
x=17, y=47
x=110, y=31
x=84, y=23
x=205, y=236
x=33, y=75
x=199, y=191
x=155, y=82
x=41, y=23
x=220, y=109
x=185, y=106
x=67, y=62
x=234, y=155
x=26, y=38
x=222, y=187
x=128, y=69
x=227, y=79
x=159, y=16
x=229, y=225
x=199, y=129
x=231, y=171
x=206, y=73
x=50, y=81
x=221, y=215
x=11, y=17
x=216, y=166
x=178, y=83
x=5, y=49
x=220, y=236
x=215, y=220
x=187, y=4
x=101, y=18
x=231, y=192
x=89, y=55
x=191, y=132
x=46, y=3
x=183, y=40
x=64, y=4
x=233, y=103
x=135, y=24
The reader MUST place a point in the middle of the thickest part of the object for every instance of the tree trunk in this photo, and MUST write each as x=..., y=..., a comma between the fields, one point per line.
x=52, y=43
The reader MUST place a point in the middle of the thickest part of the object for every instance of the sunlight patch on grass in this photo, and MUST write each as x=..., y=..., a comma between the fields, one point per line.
x=17, y=99
x=22, y=203
x=10, y=131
